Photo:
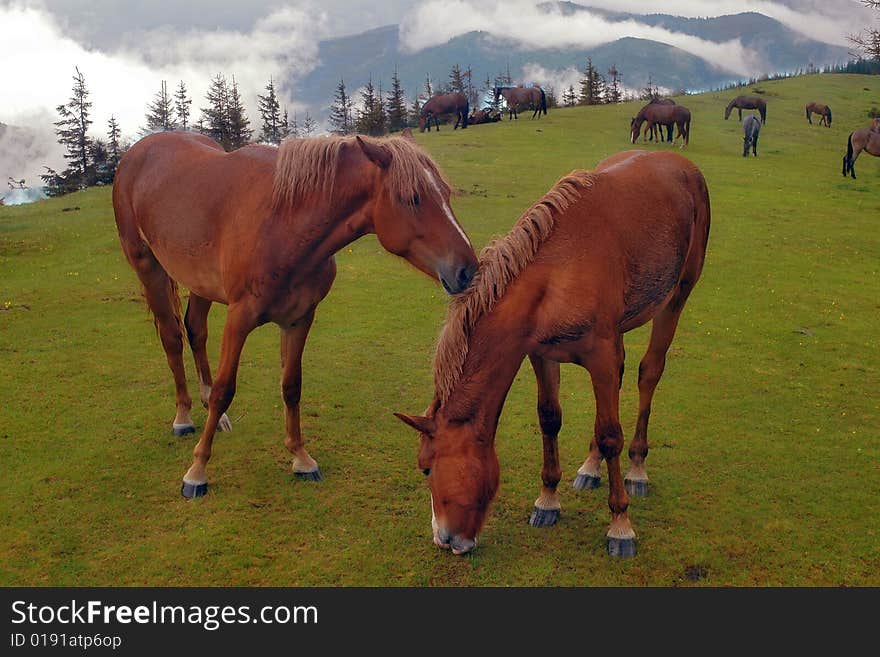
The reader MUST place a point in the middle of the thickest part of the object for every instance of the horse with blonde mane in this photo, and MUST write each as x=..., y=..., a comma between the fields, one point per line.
x=603, y=252
x=256, y=229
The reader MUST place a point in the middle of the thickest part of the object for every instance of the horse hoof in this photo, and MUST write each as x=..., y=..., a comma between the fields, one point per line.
x=190, y=490
x=314, y=475
x=636, y=487
x=544, y=517
x=182, y=429
x=621, y=547
x=224, y=424
x=586, y=482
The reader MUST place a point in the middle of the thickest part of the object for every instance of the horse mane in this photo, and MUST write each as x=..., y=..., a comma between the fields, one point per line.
x=306, y=168
x=500, y=262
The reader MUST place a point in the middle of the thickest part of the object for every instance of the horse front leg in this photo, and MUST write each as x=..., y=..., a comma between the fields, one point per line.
x=547, y=506
x=239, y=323
x=293, y=341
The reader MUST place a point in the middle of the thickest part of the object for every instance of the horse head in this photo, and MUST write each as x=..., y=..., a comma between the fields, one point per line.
x=635, y=126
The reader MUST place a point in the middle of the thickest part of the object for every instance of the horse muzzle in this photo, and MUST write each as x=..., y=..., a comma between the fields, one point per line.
x=456, y=279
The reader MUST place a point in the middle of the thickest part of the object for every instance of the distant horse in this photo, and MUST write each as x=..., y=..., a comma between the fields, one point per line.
x=747, y=102
x=663, y=115
x=603, y=252
x=256, y=229
x=875, y=124
x=669, y=126
x=751, y=130
x=454, y=103
x=483, y=116
x=863, y=139
x=523, y=97
x=822, y=110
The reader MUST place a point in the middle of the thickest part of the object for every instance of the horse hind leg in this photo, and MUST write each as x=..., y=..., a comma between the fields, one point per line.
x=196, y=322
x=293, y=342
x=547, y=506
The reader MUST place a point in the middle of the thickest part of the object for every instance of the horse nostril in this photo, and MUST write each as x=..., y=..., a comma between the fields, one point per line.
x=464, y=277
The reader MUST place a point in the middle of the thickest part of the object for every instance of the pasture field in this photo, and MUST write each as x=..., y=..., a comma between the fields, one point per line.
x=765, y=461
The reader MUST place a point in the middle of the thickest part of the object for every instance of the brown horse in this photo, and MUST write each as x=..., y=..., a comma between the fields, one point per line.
x=747, y=102
x=822, y=110
x=256, y=229
x=528, y=98
x=603, y=252
x=455, y=103
x=863, y=139
x=655, y=114
x=875, y=124
x=483, y=116
x=669, y=126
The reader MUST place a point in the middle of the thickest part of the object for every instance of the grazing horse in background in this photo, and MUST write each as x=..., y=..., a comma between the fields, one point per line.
x=669, y=126
x=662, y=115
x=454, y=103
x=256, y=229
x=751, y=130
x=822, y=110
x=747, y=102
x=603, y=252
x=523, y=97
x=863, y=139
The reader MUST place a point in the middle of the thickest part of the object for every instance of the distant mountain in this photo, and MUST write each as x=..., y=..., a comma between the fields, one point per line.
x=377, y=52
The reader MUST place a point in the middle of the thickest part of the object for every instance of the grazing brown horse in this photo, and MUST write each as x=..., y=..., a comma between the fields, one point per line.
x=455, y=103
x=603, y=252
x=747, y=102
x=822, y=110
x=863, y=139
x=528, y=98
x=669, y=126
x=256, y=229
x=655, y=114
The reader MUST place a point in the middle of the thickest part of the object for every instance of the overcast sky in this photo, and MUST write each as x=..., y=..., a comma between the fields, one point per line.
x=125, y=49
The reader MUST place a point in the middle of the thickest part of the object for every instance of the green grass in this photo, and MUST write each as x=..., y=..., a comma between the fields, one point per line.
x=765, y=463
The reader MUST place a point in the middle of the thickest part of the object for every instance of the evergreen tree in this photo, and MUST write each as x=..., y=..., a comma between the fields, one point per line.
x=239, y=125
x=470, y=90
x=429, y=88
x=114, y=148
x=570, y=98
x=309, y=125
x=613, y=93
x=73, y=133
x=159, y=111
x=214, y=121
x=182, y=104
x=100, y=156
x=371, y=116
x=340, y=111
x=456, y=80
x=591, y=85
x=650, y=90
x=285, y=124
x=396, y=105
x=295, y=130
x=550, y=96
x=270, y=113
x=415, y=111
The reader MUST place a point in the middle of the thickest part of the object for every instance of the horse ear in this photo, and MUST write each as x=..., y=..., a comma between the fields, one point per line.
x=377, y=153
x=420, y=423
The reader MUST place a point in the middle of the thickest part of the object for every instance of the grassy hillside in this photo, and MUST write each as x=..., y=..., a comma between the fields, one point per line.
x=765, y=463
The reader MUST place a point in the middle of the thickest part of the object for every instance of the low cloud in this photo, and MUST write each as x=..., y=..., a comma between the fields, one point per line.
x=561, y=79
x=437, y=21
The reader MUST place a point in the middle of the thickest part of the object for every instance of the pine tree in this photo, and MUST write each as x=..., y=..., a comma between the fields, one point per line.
x=340, y=111
x=429, y=88
x=100, y=156
x=72, y=130
x=270, y=113
x=285, y=124
x=214, y=121
x=613, y=93
x=470, y=91
x=370, y=120
x=591, y=83
x=114, y=148
x=295, y=130
x=239, y=124
x=309, y=125
x=456, y=80
x=650, y=90
x=396, y=105
x=159, y=111
x=570, y=98
x=182, y=106
x=415, y=111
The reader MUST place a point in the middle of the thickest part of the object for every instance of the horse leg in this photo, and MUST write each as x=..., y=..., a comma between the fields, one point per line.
x=196, y=322
x=755, y=145
x=293, y=341
x=739, y=109
x=605, y=364
x=239, y=323
x=547, y=506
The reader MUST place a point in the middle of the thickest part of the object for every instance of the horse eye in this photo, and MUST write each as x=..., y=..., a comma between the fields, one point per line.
x=416, y=200
x=426, y=471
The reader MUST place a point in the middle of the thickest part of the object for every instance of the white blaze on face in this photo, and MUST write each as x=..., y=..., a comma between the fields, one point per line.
x=435, y=528
x=446, y=207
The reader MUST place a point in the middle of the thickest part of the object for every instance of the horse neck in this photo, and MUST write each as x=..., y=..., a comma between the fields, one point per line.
x=495, y=353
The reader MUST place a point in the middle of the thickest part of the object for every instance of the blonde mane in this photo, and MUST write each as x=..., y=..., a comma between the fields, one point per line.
x=306, y=168
x=500, y=263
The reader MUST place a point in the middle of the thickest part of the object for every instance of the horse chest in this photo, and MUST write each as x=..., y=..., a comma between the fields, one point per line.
x=296, y=295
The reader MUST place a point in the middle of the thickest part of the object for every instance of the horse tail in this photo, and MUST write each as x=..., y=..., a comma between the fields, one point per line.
x=467, y=110
x=828, y=112
x=764, y=113
x=847, y=159
x=543, y=102
x=807, y=110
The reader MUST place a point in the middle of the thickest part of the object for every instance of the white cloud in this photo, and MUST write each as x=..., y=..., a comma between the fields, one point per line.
x=561, y=79
x=39, y=59
x=521, y=20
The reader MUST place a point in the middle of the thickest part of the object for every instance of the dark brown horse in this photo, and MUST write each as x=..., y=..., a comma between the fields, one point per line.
x=655, y=114
x=822, y=110
x=522, y=98
x=747, y=102
x=455, y=103
x=483, y=116
x=656, y=100
x=863, y=139
x=256, y=229
x=603, y=252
